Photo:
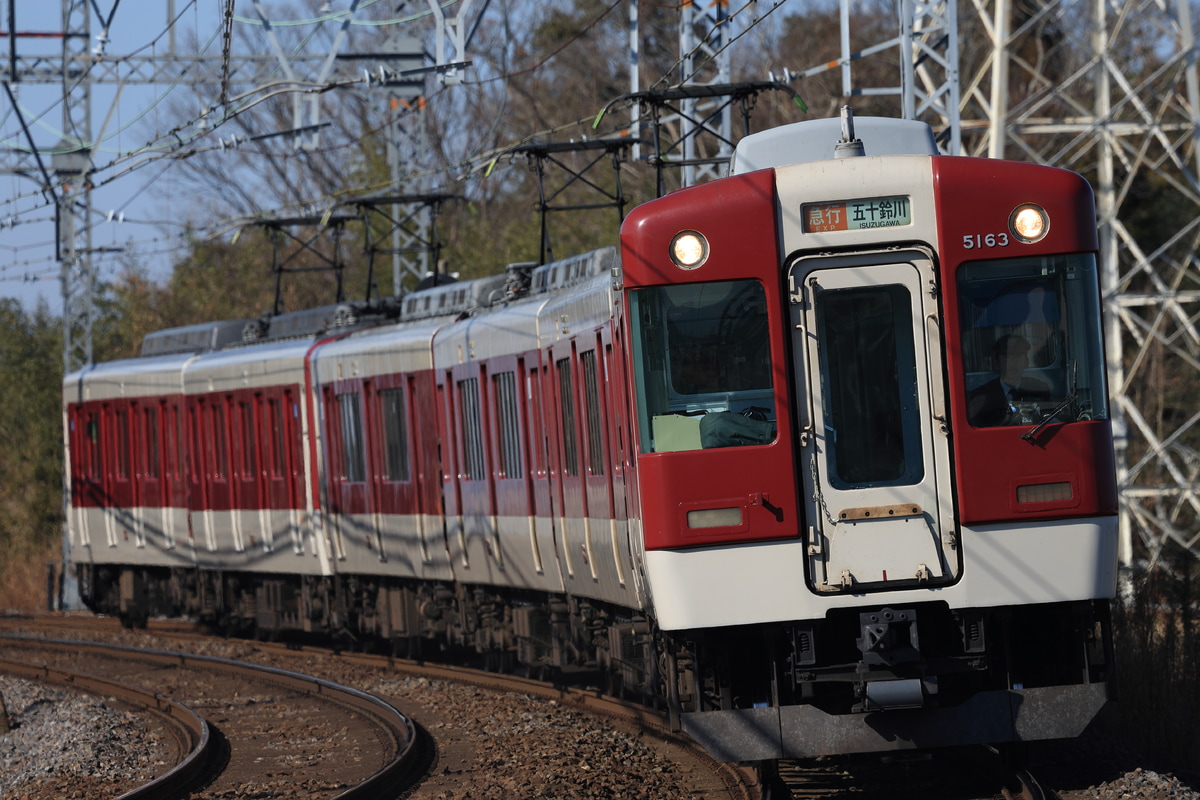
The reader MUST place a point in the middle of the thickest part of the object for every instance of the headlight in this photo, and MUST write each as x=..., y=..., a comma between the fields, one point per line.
x=1029, y=223
x=689, y=249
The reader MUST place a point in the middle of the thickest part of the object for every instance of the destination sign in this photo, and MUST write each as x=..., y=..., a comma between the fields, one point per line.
x=857, y=215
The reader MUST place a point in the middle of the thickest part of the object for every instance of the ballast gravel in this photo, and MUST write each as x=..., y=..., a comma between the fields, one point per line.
x=518, y=746
x=59, y=738
x=68, y=745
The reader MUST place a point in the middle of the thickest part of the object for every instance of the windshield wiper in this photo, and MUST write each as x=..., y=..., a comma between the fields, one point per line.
x=1071, y=399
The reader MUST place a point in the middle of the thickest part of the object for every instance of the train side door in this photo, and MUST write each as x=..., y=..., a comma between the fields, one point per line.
x=874, y=440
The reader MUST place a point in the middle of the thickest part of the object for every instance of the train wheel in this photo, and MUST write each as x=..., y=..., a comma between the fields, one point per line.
x=493, y=661
x=671, y=680
x=616, y=686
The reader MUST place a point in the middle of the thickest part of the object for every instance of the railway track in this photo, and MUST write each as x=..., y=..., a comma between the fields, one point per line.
x=238, y=729
x=195, y=751
x=466, y=758
x=455, y=766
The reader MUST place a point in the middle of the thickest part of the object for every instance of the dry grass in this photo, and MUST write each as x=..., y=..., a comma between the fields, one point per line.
x=1158, y=661
x=23, y=576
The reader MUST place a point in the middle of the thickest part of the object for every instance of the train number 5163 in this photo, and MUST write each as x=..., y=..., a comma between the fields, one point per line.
x=975, y=241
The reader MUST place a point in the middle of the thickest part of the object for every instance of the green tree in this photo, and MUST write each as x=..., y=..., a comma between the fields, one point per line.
x=30, y=448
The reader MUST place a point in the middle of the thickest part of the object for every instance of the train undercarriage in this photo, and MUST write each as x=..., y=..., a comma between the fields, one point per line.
x=860, y=679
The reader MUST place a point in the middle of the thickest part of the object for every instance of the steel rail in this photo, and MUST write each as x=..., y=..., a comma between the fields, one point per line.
x=196, y=745
x=399, y=729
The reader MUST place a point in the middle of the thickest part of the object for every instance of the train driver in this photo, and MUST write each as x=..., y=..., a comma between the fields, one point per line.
x=993, y=403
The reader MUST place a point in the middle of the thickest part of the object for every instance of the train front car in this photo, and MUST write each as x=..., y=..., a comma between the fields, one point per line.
x=874, y=464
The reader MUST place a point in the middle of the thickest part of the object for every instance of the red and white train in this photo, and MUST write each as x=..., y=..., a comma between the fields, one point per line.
x=820, y=457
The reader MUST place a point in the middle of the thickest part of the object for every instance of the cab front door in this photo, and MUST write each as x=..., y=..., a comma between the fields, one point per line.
x=873, y=440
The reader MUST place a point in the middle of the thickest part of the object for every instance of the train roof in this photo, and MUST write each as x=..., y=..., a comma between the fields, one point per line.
x=526, y=308
x=454, y=298
x=571, y=271
x=128, y=377
x=567, y=313
x=513, y=329
x=817, y=139
x=197, y=338
x=400, y=347
x=265, y=364
x=441, y=301
x=537, y=319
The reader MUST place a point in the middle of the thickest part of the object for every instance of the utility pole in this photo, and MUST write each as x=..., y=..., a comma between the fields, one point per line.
x=84, y=64
x=63, y=169
x=72, y=165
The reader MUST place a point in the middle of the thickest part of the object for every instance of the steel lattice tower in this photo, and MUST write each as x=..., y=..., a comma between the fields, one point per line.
x=1060, y=82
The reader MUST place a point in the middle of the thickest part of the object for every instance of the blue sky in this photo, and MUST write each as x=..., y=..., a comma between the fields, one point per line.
x=28, y=269
x=139, y=204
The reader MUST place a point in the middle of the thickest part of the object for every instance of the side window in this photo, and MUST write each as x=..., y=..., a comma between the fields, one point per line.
x=123, y=444
x=350, y=419
x=218, y=457
x=95, y=465
x=591, y=397
x=702, y=366
x=173, y=427
x=276, y=432
x=566, y=398
x=195, y=414
x=150, y=439
x=472, y=428
x=392, y=412
x=508, y=422
x=249, y=440
x=538, y=435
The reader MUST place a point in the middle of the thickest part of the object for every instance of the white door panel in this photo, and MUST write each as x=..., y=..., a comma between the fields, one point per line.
x=877, y=472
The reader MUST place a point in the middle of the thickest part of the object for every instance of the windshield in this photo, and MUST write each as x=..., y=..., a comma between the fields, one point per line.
x=1031, y=341
x=702, y=366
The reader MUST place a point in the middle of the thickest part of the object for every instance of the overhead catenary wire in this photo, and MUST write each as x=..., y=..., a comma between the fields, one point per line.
x=201, y=133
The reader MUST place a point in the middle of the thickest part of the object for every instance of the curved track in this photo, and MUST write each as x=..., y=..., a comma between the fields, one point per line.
x=273, y=716
x=455, y=759
x=195, y=747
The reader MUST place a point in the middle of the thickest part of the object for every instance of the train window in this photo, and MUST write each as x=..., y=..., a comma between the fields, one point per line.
x=395, y=435
x=1031, y=340
x=508, y=417
x=539, y=446
x=869, y=375
x=472, y=428
x=702, y=366
x=591, y=396
x=277, y=441
x=566, y=398
x=122, y=418
x=92, y=431
x=248, y=440
x=174, y=430
x=193, y=453
x=151, y=439
x=216, y=443
x=350, y=417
